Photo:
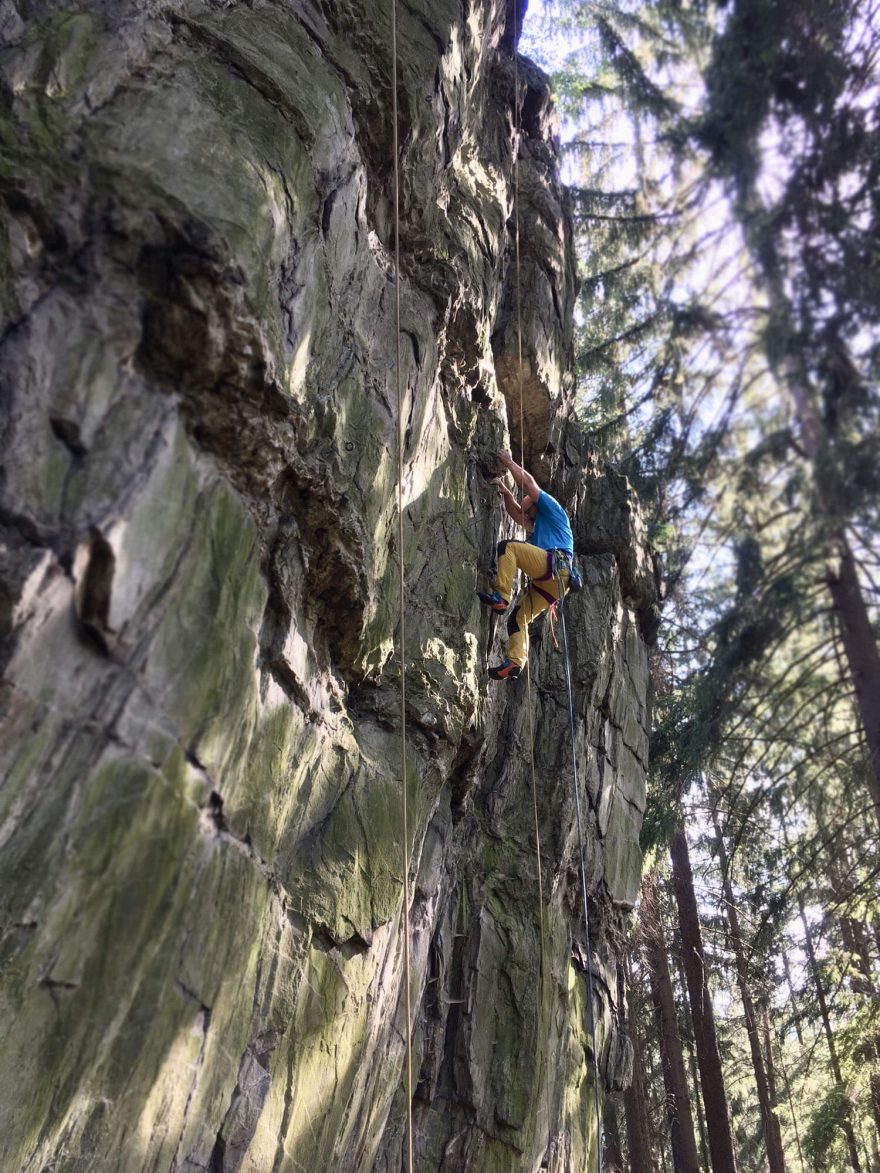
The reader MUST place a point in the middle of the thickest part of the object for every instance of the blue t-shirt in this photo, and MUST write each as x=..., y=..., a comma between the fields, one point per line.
x=552, y=530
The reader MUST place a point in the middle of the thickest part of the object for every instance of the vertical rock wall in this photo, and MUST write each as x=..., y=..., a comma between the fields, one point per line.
x=200, y=809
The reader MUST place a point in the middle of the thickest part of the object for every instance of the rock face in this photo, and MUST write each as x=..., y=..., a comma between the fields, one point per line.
x=200, y=814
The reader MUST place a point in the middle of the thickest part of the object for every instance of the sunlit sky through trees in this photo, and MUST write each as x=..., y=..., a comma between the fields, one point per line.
x=790, y=753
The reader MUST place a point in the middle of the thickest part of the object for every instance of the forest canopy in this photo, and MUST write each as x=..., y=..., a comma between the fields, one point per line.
x=723, y=166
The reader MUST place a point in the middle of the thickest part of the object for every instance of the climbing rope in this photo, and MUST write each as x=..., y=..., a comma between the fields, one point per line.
x=402, y=640
x=564, y=643
x=522, y=434
x=400, y=439
x=577, y=807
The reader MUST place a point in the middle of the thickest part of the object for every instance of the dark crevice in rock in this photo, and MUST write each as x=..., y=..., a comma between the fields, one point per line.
x=346, y=948
x=289, y=683
x=463, y=773
x=94, y=592
x=327, y=212
x=204, y=1024
x=378, y=703
x=280, y=1150
x=246, y=1105
x=193, y=996
x=535, y=105
x=278, y=618
x=202, y=340
x=68, y=432
x=26, y=529
x=22, y=202
x=213, y=809
x=57, y=989
x=514, y=15
x=193, y=759
x=244, y=845
x=58, y=984
x=334, y=591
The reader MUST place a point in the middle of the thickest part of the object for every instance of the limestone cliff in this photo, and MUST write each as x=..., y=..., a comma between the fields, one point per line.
x=200, y=876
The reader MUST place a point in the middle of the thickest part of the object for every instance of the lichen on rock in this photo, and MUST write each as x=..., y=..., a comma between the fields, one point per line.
x=200, y=814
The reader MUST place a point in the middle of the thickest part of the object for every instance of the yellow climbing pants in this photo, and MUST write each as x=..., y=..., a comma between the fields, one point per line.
x=541, y=592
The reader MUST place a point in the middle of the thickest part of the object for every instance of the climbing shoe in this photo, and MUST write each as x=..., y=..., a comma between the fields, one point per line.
x=494, y=600
x=506, y=670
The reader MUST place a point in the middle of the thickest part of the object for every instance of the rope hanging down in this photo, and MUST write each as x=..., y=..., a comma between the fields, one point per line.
x=402, y=643
x=577, y=807
x=561, y=604
x=517, y=129
x=400, y=439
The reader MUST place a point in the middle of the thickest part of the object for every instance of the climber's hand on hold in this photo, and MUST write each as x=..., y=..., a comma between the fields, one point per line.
x=525, y=482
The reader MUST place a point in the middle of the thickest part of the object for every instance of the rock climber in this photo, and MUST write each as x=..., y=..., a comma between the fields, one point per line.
x=550, y=549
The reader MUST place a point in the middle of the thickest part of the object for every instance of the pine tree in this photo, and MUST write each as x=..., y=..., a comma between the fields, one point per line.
x=678, y=1099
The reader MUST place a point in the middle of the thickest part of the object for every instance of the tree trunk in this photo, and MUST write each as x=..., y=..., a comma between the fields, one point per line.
x=855, y=941
x=721, y=1149
x=860, y=647
x=766, y=1096
x=613, y=1148
x=678, y=1100
x=692, y=1060
x=638, y=1131
x=875, y=1108
x=859, y=643
x=768, y=1057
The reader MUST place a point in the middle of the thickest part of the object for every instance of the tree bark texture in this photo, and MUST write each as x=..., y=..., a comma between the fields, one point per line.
x=691, y=1049
x=721, y=1150
x=860, y=647
x=678, y=1100
x=613, y=1148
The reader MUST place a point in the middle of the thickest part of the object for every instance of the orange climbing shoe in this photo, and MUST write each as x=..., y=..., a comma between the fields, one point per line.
x=494, y=600
x=506, y=670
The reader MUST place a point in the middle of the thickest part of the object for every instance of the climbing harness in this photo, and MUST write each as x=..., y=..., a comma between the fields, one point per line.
x=400, y=442
x=563, y=560
x=557, y=561
x=583, y=873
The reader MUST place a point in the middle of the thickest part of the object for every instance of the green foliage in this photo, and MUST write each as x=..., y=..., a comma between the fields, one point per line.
x=726, y=160
x=824, y=1142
